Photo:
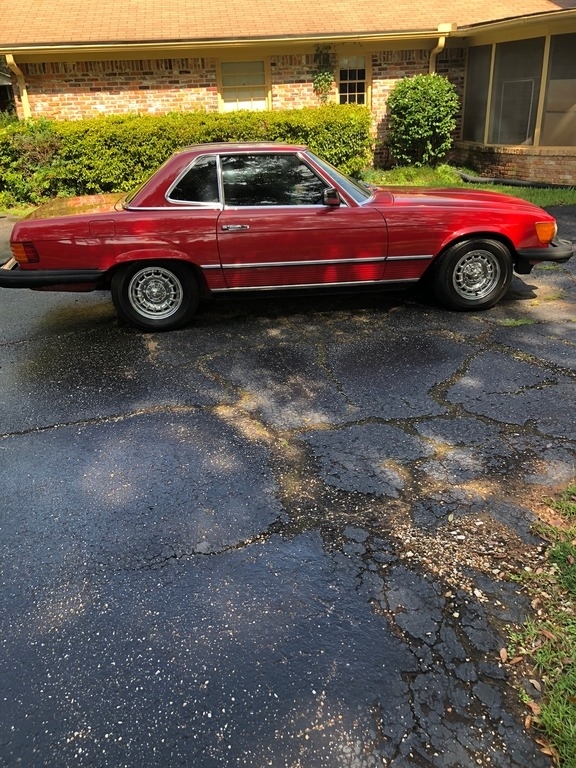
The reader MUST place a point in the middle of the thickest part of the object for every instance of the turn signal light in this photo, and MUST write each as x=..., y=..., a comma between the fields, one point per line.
x=25, y=253
x=546, y=231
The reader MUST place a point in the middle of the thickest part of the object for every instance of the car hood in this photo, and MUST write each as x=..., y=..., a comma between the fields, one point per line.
x=453, y=196
x=70, y=206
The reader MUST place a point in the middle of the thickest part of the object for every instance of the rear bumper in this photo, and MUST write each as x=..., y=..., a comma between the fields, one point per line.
x=558, y=251
x=11, y=276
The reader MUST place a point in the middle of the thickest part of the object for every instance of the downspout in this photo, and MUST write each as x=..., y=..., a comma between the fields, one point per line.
x=26, y=111
x=444, y=30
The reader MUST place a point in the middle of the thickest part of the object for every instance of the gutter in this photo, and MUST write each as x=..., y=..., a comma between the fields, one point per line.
x=209, y=44
x=22, y=87
x=445, y=30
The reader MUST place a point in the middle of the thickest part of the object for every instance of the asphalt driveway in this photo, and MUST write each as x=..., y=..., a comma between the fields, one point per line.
x=284, y=536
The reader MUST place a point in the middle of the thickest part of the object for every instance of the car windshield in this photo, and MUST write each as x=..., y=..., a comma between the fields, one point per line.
x=357, y=192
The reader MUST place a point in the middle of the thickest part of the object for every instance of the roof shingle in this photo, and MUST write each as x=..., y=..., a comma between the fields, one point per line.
x=27, y=23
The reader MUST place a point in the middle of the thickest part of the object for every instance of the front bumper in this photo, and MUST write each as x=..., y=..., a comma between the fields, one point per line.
x=11, y=276
x=559, y=251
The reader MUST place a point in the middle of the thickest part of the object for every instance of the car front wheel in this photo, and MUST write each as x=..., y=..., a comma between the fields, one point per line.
x=473, y=274
x=155, y=296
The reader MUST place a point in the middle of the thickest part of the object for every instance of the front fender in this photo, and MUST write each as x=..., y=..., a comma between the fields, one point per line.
x=473, y=234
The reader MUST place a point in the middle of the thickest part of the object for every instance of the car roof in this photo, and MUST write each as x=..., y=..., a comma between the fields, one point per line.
x=244, y=146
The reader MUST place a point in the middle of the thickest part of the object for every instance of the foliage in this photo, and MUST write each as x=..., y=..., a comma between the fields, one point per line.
x=422, y=118
x=6, y=118
x=40, y=159
x=549, y=641
x=27, y=152
x=416, y=176
x=323, y=79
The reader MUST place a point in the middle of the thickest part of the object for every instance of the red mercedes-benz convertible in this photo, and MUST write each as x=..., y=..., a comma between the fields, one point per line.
x=234, y=218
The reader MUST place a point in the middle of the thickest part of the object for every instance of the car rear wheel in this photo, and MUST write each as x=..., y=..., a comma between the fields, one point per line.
x=155, y=296
x=473, y=274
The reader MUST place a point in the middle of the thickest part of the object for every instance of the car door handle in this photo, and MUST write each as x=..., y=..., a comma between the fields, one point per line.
x=234, y=227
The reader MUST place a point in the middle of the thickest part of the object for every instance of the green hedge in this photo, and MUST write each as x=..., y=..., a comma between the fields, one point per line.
x=40, y=159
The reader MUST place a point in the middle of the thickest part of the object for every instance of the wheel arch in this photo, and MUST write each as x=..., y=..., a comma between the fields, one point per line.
x=159, y=258
x=462, y=237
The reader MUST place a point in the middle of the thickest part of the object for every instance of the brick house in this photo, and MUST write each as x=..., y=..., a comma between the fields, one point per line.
x=512, y=62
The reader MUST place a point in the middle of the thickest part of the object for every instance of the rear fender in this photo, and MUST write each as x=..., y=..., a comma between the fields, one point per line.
x=155, y=254
x=146, y=254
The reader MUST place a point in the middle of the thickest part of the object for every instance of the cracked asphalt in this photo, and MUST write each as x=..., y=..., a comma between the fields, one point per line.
x=284, y=536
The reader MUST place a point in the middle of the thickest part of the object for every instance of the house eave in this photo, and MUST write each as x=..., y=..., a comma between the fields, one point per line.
x=162, y=47
x=516, y=23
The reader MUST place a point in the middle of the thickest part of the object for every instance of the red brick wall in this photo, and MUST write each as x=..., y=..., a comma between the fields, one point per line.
x=73, y=90
x=291, y=81
x=542, y=164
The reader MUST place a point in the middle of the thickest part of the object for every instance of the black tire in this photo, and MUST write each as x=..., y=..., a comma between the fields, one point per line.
x=155, y=295
x=472, y=274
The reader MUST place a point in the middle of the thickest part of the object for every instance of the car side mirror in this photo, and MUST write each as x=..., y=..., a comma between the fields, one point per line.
x=331, y=197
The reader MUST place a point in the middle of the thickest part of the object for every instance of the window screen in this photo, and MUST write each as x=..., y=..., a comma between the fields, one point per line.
x=243, y=85
x=515, y=91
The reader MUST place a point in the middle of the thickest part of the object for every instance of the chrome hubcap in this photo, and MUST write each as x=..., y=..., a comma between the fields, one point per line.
x=155, y=292
x=476, y=275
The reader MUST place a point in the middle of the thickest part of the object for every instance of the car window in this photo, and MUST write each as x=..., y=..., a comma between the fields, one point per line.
x=269, y=179
x=199, y=184
x=357, y=190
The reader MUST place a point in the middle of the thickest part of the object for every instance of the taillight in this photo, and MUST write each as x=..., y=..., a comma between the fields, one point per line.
x=546, y=231
x=25, y=253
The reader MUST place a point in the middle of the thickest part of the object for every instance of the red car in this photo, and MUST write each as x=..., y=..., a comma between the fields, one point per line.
x=233, y=218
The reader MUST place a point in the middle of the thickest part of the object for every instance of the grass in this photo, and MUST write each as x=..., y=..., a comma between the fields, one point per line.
x=447, y=176
x=19, y=211
x=510, y=322
x=548, y=642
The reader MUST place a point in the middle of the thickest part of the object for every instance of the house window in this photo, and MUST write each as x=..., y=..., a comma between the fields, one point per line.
x=559, y=121
x=243, y=85
x=352, y=80
x=512, y=73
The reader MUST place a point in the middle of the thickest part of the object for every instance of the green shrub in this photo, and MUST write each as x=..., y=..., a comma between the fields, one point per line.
x=422, y=118
x=28, y=153
x=40, y=159
x=6, y=118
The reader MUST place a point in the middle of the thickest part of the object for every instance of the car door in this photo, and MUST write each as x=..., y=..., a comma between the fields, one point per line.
x=275, y=231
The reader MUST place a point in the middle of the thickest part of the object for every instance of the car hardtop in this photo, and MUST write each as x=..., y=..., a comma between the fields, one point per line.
x=236, y=147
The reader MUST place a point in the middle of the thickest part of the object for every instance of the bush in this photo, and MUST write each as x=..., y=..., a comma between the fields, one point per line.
x=422, y=118
x=6, y=118
x=27, y=155
x=40, y=159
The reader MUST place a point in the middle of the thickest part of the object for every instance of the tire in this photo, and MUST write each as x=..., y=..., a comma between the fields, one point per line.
x=473, y=274
x=155, y=295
